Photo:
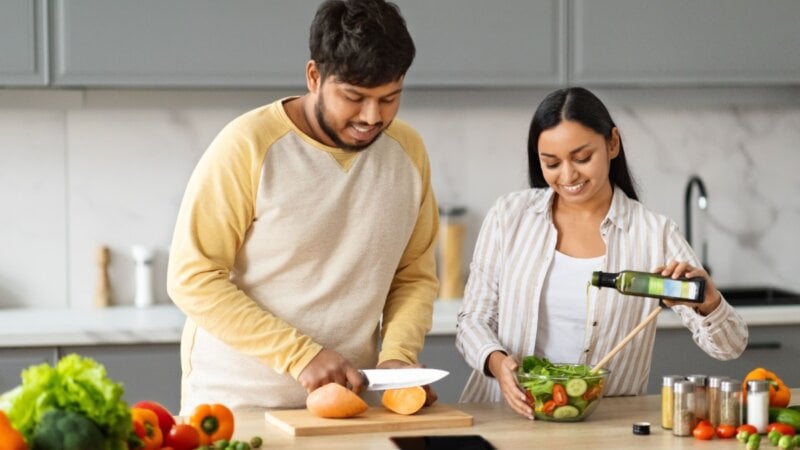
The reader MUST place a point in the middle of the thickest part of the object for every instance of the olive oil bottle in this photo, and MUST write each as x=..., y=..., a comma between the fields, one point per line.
x=646, y=284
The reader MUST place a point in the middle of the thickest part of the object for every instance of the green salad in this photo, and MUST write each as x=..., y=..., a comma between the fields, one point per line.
x=560, y=392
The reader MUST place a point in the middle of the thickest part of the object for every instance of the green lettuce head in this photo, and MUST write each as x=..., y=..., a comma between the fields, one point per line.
x=76, y=384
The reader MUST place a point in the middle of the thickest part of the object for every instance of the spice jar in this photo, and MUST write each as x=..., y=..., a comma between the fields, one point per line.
x=713, y=397
x=700, y=397
x=684, y=419
x=758, y=404
x=730, y=405
x=668, y=400
x=452, y=231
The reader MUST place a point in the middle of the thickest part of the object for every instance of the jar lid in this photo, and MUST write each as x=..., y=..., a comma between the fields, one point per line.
x=758, y=386
x=730, y=386
x=669, y=380
x=682, y=387
x=641, y=428
x=699, y=380
x=716, y=381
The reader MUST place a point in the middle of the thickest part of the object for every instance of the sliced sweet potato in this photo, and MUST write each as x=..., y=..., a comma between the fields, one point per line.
x=404, y=401
x=335, y=401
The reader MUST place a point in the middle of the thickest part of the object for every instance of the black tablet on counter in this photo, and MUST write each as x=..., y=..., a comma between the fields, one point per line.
x=461, y=442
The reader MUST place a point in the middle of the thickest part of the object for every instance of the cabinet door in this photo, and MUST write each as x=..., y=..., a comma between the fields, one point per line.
x=618, y=42
x=774, y=347
x=181, y=42
x=14, y=360
x=487, y=44
x=23, y=43
x=148, y=372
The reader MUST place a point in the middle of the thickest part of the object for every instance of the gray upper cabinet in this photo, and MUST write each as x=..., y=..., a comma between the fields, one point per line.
x=253, y=43
x=23, y=43
x=487, y=44
x=679, y=42
x=183, y=43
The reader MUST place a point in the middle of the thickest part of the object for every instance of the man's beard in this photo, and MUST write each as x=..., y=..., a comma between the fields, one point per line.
x=319, y=111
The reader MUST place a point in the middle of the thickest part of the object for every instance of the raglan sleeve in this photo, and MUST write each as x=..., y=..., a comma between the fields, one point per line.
x=408, y=311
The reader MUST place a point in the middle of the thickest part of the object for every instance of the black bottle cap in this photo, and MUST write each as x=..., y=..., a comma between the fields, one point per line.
x=641, y=428
x=603, y=279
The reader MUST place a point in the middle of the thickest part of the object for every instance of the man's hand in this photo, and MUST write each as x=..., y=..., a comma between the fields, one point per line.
x=504, y=369
x=330, y=367
x=430, y=395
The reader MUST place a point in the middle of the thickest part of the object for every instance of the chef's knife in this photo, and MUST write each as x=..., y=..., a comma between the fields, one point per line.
x=382, y=379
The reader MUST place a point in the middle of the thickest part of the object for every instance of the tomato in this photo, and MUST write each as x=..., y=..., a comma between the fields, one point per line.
x=549, y=407
x=529, y=398
x=784, y=429
x=726, y=431
x=703, y=431
x=592, y=393
x=182, y=437
x=165, y=419
x=559, y=395
x=747, y=427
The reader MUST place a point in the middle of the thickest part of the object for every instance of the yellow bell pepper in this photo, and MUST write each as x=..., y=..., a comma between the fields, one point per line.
x=145, y=425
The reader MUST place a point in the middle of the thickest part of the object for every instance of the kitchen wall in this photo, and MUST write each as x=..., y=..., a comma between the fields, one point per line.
x=79, y=169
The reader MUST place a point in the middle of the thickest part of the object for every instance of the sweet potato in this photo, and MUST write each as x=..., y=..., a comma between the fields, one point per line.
x=334, y=401
x=404, y=401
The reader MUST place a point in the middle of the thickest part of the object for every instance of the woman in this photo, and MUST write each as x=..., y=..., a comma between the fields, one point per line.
x=527, y=290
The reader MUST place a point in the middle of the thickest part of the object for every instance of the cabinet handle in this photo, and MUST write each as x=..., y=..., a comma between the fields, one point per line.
x=763, y=345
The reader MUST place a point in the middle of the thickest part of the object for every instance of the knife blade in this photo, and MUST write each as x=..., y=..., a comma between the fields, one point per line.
x=382, y=379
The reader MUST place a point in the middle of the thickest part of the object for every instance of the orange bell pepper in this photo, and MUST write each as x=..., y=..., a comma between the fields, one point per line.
x=10, y=438
x=214, y=422
x=779, y=394
x=145, y=425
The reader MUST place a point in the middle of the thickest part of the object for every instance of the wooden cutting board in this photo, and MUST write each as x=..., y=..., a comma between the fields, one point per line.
x=300, y=422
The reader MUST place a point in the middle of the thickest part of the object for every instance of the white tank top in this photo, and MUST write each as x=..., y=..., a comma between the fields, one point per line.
x=564, y=307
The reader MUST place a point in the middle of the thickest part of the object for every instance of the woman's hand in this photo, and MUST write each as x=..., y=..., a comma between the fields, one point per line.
x=712, y=297
x=504, y=369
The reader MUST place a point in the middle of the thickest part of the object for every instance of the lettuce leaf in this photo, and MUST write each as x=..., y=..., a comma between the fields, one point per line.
x=77, y=384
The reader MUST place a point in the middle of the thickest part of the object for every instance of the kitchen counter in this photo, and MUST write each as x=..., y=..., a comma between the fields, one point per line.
x=609, y=427
x=163, y=323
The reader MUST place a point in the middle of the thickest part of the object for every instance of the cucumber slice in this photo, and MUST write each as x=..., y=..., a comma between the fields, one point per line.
x=576, y=387
x=566, y=412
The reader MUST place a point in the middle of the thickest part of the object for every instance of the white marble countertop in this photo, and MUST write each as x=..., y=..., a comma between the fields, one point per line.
x=43, y=327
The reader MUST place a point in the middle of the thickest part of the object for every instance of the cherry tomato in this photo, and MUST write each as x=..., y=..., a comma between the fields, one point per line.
x=182, y=437
x=746, y=427
x=529, y=398
x=726, y=431
x=784, y=429
x=559, y=395
x=703, y=431
x=592, y=393
x=549, y=407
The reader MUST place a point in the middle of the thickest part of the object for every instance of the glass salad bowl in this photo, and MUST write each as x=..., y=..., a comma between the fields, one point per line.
x=561, y=392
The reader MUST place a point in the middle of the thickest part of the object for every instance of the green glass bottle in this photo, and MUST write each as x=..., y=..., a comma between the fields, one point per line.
x=646, y=284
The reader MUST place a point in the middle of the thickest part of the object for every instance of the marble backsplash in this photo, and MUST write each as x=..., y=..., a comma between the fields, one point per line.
x=79, y=169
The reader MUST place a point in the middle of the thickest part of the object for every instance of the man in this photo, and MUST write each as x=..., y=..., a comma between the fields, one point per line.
x=307, y=229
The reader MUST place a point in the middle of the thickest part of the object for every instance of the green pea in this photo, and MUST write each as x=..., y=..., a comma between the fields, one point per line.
x=256, y=442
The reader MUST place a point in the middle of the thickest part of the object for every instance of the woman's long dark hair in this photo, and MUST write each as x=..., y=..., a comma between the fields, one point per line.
x=579, y=105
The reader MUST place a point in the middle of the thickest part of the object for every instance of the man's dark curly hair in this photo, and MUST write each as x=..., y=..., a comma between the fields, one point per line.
x=361, y=42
